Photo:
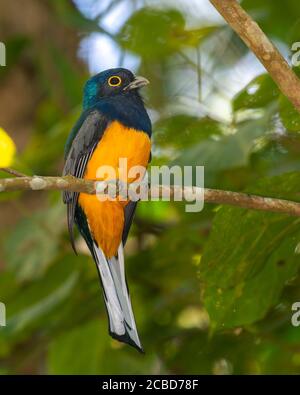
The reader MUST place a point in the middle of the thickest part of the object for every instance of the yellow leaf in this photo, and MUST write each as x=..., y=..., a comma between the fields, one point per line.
x=7, y=149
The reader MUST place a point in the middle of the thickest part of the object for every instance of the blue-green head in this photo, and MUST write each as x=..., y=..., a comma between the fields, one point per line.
x=111, y=83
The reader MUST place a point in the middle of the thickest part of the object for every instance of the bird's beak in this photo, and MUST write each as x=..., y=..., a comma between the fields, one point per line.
x=137, y=83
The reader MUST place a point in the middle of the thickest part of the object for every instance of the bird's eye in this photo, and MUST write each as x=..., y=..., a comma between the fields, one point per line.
x=114, y=81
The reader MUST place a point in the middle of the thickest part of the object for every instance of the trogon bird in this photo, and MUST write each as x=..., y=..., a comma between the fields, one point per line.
x=114, y=124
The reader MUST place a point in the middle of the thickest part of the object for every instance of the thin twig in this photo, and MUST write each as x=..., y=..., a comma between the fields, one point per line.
x=12, y=172
x=262, y=47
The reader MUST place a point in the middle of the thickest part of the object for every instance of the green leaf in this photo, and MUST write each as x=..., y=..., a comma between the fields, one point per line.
x=290, y=117
x=34, y=243
x=249, y=257
x=38, y=299
x=184, y=130
x=260, y=92
x=276, y=20
x=79, y=351
x=226, y=152
x=87, y=349
x=28, y=315
x=194, y=37
x=168, y=33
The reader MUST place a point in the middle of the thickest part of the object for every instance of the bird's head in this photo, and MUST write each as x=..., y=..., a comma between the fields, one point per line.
x=112, y=82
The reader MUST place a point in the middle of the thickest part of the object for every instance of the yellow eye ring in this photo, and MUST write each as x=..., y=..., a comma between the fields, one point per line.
x=114, y=81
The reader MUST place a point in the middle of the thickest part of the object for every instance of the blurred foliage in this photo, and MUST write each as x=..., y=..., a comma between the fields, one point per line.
x=257, y=94
x=212, y=291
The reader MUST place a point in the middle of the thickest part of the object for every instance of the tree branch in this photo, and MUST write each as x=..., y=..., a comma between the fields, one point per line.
x=265, y=51
x=12, y=172
x=69, y=183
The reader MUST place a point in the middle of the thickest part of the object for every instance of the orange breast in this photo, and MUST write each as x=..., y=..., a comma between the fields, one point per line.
x=106, y=219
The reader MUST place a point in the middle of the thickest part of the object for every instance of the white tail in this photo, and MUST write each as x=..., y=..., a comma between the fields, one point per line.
x=121, y=319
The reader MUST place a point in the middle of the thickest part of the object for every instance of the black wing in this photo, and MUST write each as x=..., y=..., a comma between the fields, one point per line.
x=129, y=212
x=128, y=218
x=82, y=148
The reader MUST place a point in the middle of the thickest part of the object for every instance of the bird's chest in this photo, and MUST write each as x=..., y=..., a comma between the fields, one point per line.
x=119, y=153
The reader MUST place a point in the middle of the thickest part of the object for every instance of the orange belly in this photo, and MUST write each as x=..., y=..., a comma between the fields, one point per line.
x=106, y=219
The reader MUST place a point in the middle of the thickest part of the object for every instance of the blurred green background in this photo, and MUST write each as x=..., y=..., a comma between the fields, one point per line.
x=212, y=291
